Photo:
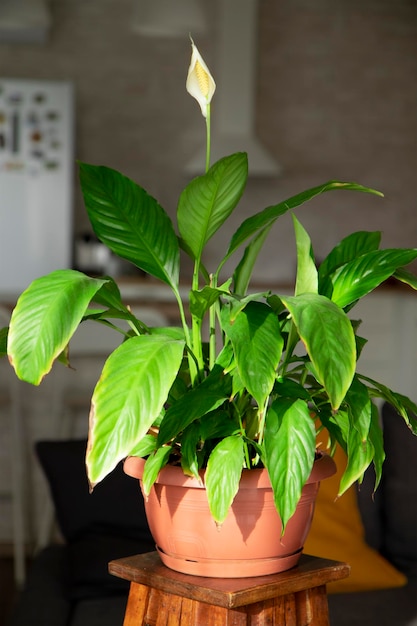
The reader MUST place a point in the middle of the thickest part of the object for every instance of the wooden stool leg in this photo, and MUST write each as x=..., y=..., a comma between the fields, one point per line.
x=312, y=607
x=137, y=605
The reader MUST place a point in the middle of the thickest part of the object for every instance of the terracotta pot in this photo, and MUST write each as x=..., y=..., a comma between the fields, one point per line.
x=248, y=543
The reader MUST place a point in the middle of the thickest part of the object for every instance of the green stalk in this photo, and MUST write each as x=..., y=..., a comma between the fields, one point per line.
x=243, y=433
x=262, y=416
x=208, y=137
x=197, y=344
x=213, y=280
x=191, y=359
x=212, y=329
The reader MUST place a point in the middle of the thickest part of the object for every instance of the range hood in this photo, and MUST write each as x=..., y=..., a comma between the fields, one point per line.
x=24, y=21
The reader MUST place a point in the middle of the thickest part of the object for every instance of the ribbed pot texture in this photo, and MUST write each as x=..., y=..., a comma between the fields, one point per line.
x=248, y=543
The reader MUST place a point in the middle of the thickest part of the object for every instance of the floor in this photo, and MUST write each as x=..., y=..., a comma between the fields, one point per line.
x=7, y=588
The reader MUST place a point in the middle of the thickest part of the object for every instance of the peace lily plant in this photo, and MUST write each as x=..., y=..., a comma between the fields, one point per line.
x=276, y=368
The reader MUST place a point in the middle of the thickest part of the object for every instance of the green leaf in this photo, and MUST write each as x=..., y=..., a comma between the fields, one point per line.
x=257, y=344
x=206, y=397
x=244, y=269
x=130, y=222
x=237, y=304
x=360, y=454
x=377, y=439
x=288, y=388
x=406, y=277
x=224, y=469
x=269, y=215
x=360, y=408
x=290, y=438
x=109, y=295
x=208, y=200
x=45, y=317
x=216, y=425
x=173, y=332
x=201, y=301
x=128, y=398
x=329, y=339
x=189, y=444
x=360, y=276
x=403, y=405
x=3, y=341
x=153, y=465
x=351, y=247
x=144, y=447
x=306, y=281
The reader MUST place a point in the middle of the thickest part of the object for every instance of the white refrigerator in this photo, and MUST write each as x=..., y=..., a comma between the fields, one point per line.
x=36, y=180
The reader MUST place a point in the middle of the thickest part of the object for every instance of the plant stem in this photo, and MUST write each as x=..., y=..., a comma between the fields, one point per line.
x=208, y=137
x=213, y=279
x=191, y=361
x=197, y=344
x=212, y=329
x=243, y=433
x=261, y=420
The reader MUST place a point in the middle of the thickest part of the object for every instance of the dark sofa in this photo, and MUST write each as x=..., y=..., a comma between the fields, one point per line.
x=68, y=584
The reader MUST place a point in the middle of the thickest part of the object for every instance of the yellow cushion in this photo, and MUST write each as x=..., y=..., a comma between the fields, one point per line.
x=337, y=533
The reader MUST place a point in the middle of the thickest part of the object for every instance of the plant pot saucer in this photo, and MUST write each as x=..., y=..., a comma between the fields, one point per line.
x=230, y=568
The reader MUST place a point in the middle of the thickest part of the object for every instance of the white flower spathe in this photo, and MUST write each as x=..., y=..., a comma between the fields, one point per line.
x=200, y=83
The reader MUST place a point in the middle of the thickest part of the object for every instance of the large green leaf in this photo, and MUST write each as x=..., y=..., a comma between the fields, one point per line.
x=128, y=398
x=360, y=276
x=257, y=344
x=153, y=465
x=327, y=334
x=208, y=200
x=224, y=469
x=190, y=441
x=360, y=454
x=130, y=222
x=269, y=215
x=360, y=408
x=45, y=317
x=289, y=452
x=351, y=247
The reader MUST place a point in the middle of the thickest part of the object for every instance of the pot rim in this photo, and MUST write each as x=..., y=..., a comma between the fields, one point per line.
x=324, y=467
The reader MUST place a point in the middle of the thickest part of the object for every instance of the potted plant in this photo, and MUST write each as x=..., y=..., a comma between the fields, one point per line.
x=248, y=379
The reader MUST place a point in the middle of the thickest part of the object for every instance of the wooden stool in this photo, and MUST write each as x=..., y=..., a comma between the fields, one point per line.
x=161, y=597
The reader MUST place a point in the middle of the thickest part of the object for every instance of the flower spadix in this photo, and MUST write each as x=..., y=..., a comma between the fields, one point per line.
x=200, y=83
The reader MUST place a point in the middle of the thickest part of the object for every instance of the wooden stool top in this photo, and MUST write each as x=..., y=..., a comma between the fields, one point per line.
x=147, y=569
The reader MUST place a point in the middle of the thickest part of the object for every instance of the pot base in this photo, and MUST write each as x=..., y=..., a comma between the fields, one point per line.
x=230, y=568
